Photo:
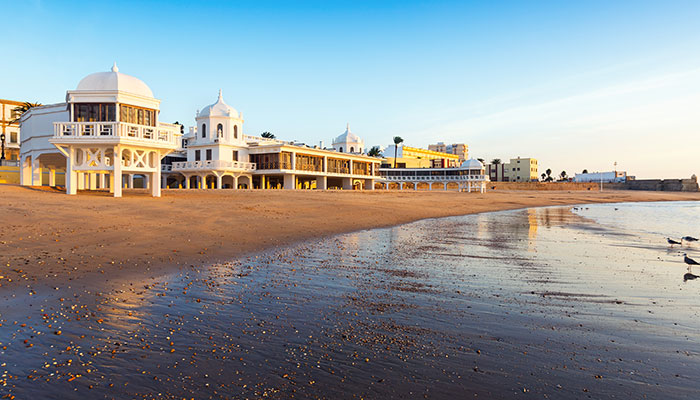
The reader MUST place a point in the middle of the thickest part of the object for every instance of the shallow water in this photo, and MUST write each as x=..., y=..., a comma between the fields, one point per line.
x=549, y=302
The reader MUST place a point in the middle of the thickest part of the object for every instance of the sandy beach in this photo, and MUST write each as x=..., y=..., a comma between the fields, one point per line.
x=50, y=237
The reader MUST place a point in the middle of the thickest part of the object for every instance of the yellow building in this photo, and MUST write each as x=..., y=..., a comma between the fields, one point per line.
x=10, y=129
x=521, y=170
x=414, y=157
x=461, y=150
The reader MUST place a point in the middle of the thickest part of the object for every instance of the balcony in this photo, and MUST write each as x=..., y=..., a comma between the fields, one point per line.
x=212, y=165
x=164, y=135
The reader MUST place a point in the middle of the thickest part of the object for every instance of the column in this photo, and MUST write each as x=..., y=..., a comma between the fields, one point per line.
x=187, y=181
x=111, y=182
x=262, y=182
x=164, y=181
x=52, y=177
x=147, y=181
x=430, y=186
x=369, y=184
x=71, y=176
x=290, y=181
x=155, y=182
x=118, y=181
x=444, y=184
x=415, y=185
x=103, y=181
x=347, y=183
x=386, y=185
x=219, y=182
x=400, y=185
x=36, y=172
x=25, y=173
x=321, y=183
x=92, y=179
x=81, y=181
x=130, y=181
x=235, y=182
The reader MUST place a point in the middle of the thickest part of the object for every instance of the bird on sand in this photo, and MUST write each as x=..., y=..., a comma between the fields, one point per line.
x=689, y=239
x=672, y=242
x=690, y=275
x=689, y=260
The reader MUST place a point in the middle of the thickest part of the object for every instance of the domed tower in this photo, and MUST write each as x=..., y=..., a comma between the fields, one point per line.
x=348, y=142
x=220, y=123
x=107, y=128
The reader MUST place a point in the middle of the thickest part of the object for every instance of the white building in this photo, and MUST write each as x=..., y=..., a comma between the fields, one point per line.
x=105, y=133
x=220, y=155
x=348, y=142
x=611, y=176
x=469, y=176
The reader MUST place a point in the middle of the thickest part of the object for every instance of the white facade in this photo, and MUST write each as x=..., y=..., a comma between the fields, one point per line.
x=107, y=130
x=611, y=176
x=348, y=142
x=469, y=176
x=220, y=155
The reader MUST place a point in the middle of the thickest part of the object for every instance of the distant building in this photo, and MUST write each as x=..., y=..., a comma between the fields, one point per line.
x=468, y=176
x=611, y=176
x=459, y=149
x=348, y=142
x=517, y=170
x=413, y=157
x=10, y=129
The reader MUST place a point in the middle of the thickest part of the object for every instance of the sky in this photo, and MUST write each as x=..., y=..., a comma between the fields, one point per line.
x=577, y=85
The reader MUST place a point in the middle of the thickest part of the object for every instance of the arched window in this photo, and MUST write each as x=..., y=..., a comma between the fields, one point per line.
x=352, y=149
x=341, y=149
x=219, y=130
x=204, y=130
x=235, y=131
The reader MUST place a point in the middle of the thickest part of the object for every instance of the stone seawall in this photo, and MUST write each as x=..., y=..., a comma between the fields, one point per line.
x=662, y=185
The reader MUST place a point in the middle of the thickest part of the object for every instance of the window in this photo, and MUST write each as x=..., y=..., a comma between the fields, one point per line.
x=196, y=155
x=235, y=131
x=219, y=130
x=352, y=149
x=204, y=130
x=235, y=152
x=13, y=137
x=90, y=112
x=341, y=149
x=208, y=154
x=130, y=114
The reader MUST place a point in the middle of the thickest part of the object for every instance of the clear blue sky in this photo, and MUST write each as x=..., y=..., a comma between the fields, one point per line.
x=574, y=84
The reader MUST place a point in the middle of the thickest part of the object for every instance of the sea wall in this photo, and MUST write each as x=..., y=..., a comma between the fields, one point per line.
x=663, y=185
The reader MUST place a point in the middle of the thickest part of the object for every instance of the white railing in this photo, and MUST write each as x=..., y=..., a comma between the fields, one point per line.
x=166, y=167
x=212, y=164
x=163, y=133
x=437, y=178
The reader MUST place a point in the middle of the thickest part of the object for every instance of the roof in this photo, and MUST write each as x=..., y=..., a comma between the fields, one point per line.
x=347, y=137
x=114, y=80
x=219, y=109
x=472, y=163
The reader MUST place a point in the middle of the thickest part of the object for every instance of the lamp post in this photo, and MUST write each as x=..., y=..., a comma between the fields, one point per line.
x=2, y=138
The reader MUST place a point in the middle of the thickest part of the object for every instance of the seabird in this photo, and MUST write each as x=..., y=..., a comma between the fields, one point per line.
x=689, y=239
x=689, y=260
x=689, y=275
x=672, y=242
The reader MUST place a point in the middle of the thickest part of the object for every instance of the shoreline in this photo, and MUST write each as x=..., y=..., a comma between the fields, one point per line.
x=50, y=238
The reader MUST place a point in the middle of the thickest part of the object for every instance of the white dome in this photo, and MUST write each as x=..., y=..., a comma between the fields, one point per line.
x=472, y=163
x=114, y=81
x=219, y=109
x=347, y=137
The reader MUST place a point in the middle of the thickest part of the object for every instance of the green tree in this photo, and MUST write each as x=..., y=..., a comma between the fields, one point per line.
x=496, y=161
x=26, y=106
x=374, y=152
x=397, y=140
x=267, y=135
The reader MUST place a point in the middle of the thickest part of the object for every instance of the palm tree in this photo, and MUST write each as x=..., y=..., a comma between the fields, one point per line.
x=26, y=106
x=563, y=175
x=496, y=161
x=544, y=176
x=585, y=171
x=374, y=152
x=549, y=175
x=397, y=141
x=481, y=160
x=267, y=135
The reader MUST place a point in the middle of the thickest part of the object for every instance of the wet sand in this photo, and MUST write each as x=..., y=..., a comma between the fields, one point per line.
x=48, y=237
x=535, y=303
